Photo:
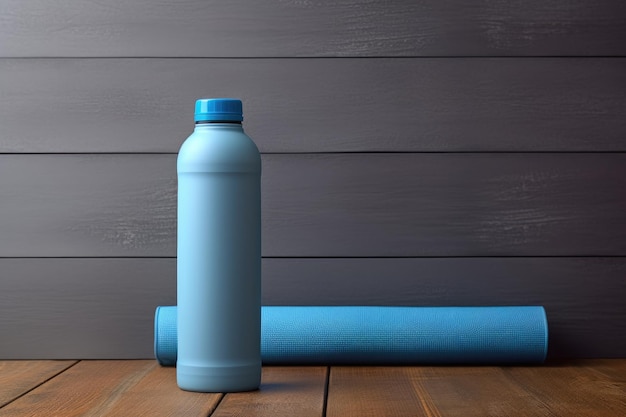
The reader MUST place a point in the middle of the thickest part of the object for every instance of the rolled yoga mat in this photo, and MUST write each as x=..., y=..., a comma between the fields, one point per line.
x=386, y=335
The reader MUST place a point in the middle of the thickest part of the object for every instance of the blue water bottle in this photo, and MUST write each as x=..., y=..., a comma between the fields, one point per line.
x=219, y=253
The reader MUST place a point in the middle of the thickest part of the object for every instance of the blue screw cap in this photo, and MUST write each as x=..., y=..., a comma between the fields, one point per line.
x=219, y=109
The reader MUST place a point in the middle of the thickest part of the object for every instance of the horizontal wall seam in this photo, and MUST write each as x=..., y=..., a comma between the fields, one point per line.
x=344, y=257
x=325, y=57
x=591, y=152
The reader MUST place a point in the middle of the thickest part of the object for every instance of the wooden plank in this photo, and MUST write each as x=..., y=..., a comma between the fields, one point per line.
x=320, y=28
x=113, y=388
x=285, y=391
x=578, y=389
x=82, y=308
x=328, y=205
x=474, y=391
x=19, y=377
x=371, y=392
x=445, y=205
x=613, y=369
x=332, y=105
x=104, y=308
x=82, y=205
x=109, y=388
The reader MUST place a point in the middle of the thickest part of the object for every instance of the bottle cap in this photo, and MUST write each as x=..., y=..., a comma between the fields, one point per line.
x=219, y=109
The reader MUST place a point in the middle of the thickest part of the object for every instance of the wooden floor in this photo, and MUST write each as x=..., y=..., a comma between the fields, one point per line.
x=143, y=388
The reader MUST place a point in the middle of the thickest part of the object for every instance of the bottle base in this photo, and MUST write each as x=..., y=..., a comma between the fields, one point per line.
x=236, y=378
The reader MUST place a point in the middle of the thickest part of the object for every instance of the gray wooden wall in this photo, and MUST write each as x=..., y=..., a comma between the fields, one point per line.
x=417, y=152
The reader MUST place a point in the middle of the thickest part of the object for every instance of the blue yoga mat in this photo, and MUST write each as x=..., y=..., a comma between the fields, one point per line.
x=386, y=335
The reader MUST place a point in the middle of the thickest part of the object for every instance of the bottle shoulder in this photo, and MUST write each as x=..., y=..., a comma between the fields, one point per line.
x=218, y=150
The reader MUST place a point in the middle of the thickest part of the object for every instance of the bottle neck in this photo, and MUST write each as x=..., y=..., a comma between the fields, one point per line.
x=228, y=125
x=209, y=122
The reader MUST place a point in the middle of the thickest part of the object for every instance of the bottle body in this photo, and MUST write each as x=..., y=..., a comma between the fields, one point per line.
x=219, y=260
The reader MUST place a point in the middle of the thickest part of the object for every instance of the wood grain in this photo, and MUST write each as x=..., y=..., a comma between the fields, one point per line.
x=445, y=205
x=71, y=205
x=19, y=377
x=113, y=388
x=311, y=28
x=372, y=392
x=104, y=308
x=566, y=390
x=317, y=105
x=285, y=391
x=615, y=370
x=344, y=205
x=119, y=388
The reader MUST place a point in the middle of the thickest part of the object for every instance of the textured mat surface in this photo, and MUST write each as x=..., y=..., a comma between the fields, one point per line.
x=386, y=335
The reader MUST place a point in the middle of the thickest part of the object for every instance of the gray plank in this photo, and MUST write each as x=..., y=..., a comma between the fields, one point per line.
x=318, y=105
x=103, y=308
x=81, y=308
x=311, y=28
x=326, y=205
x=87, y=205
x=445, y=205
